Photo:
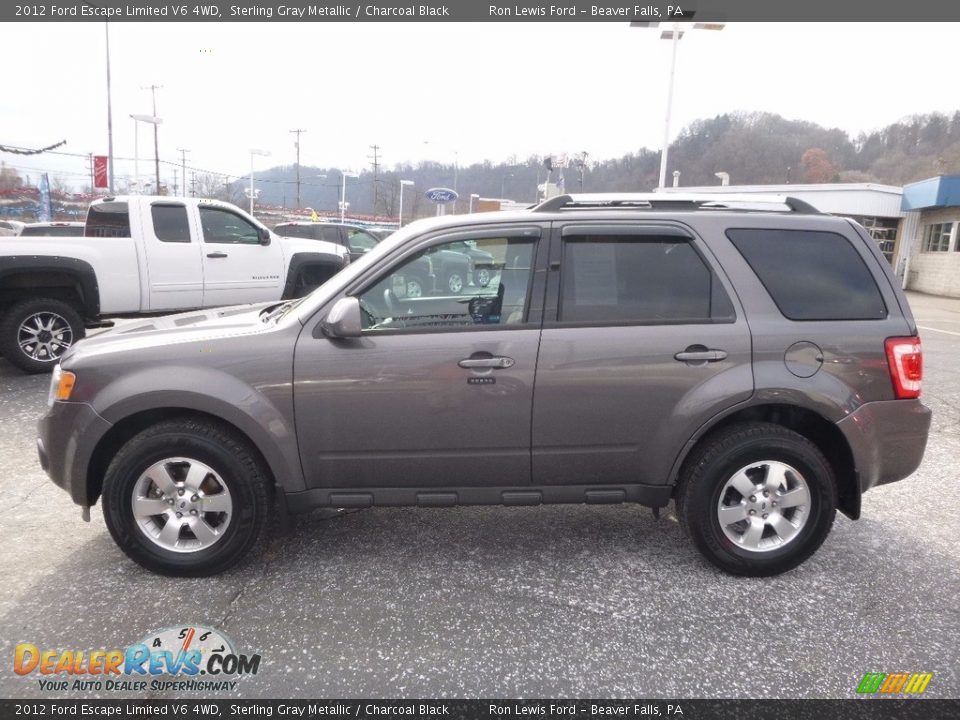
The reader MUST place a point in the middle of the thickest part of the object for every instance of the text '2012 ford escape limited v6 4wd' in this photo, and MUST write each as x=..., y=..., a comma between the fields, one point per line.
x=752, y=360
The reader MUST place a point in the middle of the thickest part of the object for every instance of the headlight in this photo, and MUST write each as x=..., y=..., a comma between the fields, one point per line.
x=61, y=385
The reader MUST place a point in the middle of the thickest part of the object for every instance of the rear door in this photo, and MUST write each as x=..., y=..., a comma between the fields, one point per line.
x=236, y=267
x=174, y=266
x=642, y=342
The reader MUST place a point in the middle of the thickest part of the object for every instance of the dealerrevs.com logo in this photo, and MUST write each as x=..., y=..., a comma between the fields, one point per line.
x=154, y=663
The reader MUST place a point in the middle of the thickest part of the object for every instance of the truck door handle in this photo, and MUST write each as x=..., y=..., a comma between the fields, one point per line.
x=217, y=255
x=694, y=353
x=497, y=363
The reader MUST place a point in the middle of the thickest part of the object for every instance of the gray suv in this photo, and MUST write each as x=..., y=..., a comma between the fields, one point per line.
x=752, y=360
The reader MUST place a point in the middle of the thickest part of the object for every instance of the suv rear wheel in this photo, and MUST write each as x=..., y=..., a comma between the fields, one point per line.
x=35, y=333
x=186, y=497
x=757, y=499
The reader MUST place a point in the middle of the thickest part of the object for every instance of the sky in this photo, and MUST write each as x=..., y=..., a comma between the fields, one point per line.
x=443, y=92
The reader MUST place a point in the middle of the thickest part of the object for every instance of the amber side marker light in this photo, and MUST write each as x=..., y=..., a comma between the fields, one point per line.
x=65, y=385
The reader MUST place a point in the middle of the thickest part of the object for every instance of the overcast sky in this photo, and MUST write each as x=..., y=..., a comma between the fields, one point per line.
x=436, y=91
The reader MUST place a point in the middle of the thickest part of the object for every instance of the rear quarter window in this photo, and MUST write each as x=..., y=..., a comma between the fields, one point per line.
x=811, y=275
x=108, y=220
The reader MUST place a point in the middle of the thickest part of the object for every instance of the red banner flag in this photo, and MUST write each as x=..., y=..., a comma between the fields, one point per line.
x=100, y=171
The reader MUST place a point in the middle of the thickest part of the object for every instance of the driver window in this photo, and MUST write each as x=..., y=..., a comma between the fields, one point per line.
x=454, y=285
x=222, y=226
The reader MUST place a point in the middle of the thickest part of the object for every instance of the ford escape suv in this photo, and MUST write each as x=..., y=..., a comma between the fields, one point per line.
x=750, y=359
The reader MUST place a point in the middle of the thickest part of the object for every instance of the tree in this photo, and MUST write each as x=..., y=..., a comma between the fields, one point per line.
x=817, y=167
x=9, y=178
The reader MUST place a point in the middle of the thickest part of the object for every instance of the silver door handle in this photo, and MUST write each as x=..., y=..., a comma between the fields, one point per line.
x=700, y=356
x=497, y=363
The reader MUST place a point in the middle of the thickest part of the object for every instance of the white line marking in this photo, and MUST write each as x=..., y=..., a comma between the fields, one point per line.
x=947, y=332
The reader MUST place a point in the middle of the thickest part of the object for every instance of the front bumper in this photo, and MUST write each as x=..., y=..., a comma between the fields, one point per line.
x=887, y=439
x=66, y=438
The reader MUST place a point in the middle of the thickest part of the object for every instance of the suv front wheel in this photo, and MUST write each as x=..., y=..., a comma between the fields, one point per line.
x=757, y=499
x=186, y=497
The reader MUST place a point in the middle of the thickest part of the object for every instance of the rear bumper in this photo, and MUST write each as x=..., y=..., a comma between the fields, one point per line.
x=887, y=439
x=66, y=438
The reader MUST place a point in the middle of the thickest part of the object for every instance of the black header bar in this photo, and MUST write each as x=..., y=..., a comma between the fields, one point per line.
x=702, y=11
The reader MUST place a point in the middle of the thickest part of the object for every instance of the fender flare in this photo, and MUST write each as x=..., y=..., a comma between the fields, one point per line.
x=80, y=270
x=300, y=261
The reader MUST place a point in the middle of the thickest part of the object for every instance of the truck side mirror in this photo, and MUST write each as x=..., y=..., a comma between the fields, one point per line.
x=343, y=320
x=264, y=235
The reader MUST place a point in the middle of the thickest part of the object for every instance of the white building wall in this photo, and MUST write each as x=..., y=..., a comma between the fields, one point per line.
x=936, y=273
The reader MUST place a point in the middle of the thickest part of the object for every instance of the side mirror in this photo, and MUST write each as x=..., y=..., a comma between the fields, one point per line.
x=264, y=235
x=343, y=320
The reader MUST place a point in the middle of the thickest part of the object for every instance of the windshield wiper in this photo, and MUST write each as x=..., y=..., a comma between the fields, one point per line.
x=276, y=311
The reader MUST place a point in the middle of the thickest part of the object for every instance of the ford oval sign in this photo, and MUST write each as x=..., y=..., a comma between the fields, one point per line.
x=441, y=195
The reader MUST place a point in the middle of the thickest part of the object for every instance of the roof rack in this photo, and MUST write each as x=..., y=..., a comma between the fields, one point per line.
x=676, y=201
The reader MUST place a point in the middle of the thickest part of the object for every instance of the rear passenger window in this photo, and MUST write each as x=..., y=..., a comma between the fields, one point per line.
x=638, y=279
x=170, y=223
x=811, y=275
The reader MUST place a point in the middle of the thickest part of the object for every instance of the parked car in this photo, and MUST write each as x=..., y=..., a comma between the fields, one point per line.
x=9, y=228
x=757, y=364
x=145, y=255
x=52, y=229
x=482, y=264
x=356, y=239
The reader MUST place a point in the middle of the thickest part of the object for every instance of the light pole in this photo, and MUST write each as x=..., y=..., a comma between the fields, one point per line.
x=343, y=192
x=137, y=119
x=261, y=153
x=109, y=116
x=183, y=166
x=503, y=179
x=400, y=214
x=297, y=145
x=473, y=196
x=674, y=35
x=156, y=147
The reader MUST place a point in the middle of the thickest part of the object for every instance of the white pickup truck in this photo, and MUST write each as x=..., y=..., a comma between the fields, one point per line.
x=143, y=254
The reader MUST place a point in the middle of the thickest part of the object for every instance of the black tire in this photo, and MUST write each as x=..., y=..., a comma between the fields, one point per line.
x=482, y=277
x=717, y=459
x=37, y=358
x=228, y=455
x=455, y=282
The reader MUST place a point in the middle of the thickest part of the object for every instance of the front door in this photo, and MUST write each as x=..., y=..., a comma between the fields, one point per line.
x=438, y=390
x=641, y=345
x=236, y=267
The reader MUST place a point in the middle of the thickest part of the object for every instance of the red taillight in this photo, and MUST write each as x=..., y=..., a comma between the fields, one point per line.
x=905, y=358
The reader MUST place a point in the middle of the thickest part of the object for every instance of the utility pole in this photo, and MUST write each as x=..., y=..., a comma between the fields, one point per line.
x=106, y=27
x=375, y=164
x=297, y=145
x=92, y=190
x=175, y=186
x=183, y=167
x=193, y=183
x=156, y=152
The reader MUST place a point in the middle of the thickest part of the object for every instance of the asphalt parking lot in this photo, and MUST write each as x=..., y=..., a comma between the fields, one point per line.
x=578, y=601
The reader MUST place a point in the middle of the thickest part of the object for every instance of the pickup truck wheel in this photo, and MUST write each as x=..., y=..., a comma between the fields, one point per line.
x=481, y=277
x=35, y=333
x=757, y=499
x=186, y=497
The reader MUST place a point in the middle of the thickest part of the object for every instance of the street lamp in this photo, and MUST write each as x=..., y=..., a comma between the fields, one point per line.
x=674, y=35
x=400, y=214
x=137, y=119
x=261, y=153
x=472, y=197
x=503, y=179
x=343, y=192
